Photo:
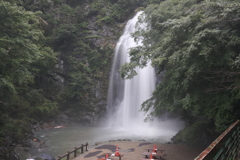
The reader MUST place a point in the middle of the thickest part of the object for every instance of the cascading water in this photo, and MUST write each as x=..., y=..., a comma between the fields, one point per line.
x=124, y=102
x=126, y=96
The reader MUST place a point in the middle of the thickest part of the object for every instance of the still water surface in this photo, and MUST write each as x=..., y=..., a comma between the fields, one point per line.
x=59, y=141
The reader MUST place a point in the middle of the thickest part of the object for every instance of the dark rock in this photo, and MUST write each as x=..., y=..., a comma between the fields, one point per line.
x=198, y=133
x=97, y=143
x=34, y=143
x=112, y=140
x=8, y=153
x=141, y=140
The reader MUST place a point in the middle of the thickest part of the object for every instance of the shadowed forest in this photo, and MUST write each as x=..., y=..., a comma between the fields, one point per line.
x=56, y=56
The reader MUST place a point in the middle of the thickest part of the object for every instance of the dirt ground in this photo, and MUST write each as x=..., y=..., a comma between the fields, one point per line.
x=134, y=150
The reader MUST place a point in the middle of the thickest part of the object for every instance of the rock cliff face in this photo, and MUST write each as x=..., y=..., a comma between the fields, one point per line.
x=83, y=34
x=86, y=104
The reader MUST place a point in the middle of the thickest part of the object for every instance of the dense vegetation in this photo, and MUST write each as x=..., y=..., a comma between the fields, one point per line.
x=55, y=57
x=195, y=45
x=23, y=57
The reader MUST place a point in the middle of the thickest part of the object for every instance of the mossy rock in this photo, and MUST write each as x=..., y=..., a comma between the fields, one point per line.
x=199, y=133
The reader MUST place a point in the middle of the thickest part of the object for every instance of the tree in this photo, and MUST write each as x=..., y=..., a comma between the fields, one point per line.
x=196, y=46
x=23, y=56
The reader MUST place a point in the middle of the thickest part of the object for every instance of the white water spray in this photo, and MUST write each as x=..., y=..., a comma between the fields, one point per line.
x=126, y=96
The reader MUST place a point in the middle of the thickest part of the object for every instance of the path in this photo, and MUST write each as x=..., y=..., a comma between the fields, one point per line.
x=134, y=150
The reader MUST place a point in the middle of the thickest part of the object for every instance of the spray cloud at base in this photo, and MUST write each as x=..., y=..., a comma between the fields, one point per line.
x=126, y=96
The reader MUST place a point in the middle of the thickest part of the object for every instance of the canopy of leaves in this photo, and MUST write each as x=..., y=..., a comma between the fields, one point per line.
x=196, y=45
x=23, y=56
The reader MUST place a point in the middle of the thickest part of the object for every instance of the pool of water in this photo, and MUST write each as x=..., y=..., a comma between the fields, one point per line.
x=59, y=141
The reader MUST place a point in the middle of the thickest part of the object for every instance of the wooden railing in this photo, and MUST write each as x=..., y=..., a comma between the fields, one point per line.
x=67, y=155
x=225, y=147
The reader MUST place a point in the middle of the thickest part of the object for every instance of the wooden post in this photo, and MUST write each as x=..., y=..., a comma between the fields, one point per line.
x=68, y=155
x=86, y=146
x=82, y=148
x=75, y=152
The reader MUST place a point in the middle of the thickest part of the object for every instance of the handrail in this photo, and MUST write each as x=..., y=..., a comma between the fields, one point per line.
x=73, y=151
x=225, y=147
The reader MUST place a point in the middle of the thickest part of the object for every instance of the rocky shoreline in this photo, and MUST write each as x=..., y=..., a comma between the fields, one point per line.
x=11, y=150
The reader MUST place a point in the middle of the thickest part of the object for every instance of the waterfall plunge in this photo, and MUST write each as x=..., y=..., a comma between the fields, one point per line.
x=126, y=96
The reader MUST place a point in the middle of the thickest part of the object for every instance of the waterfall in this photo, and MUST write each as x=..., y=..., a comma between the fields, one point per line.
x=126, y=96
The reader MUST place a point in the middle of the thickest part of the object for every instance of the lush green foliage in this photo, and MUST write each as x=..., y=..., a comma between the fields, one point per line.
x=195, y=45
x=112, y=11
x=66, y=28
x=23, y=56
x=69, y=33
